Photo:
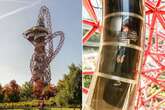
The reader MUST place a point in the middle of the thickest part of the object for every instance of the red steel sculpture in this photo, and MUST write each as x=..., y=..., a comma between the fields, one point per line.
x=151, y=87
x=41, y=37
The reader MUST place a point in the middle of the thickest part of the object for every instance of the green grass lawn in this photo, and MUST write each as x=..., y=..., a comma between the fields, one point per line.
x=64, y=109
x=48, y=109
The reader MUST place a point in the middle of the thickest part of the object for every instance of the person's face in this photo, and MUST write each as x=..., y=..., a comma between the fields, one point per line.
x=125, y=29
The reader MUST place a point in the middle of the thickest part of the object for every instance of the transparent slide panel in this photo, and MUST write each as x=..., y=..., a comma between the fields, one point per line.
x=119, y=61
x=131, y=6
x=108, y=95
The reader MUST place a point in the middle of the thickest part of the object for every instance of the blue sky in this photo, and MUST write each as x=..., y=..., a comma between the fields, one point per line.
x=16, y=16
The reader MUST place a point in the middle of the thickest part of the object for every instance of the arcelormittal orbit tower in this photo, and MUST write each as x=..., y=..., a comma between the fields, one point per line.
x=41, y=37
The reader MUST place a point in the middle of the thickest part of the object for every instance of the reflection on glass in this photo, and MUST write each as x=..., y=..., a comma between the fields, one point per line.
x=120, y=60
x=118, y=27
x=116, y=96
x=133, y=6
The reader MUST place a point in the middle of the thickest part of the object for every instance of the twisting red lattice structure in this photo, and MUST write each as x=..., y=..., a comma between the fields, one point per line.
x=152, y=85
x=151, y=94
x=41, y=37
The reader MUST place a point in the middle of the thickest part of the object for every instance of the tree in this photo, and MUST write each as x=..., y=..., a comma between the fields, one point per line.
x=69, y=89
x=49, y=91
x=1, y=94
x=6, y=92
x=38, y=87
x=12, y=91
x=26, y=91
x=87, y=80
x=77, y=88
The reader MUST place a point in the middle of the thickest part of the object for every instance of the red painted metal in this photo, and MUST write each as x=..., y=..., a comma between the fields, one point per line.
x=88, y=73
x=94, y=23
x=155, y=51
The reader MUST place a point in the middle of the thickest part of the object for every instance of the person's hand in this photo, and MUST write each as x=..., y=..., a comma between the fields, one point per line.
x=122, y=58
x=118, y=59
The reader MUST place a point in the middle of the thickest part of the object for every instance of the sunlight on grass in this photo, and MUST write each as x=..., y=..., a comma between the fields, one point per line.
x=48, y=109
